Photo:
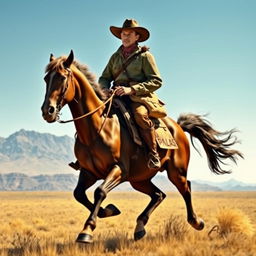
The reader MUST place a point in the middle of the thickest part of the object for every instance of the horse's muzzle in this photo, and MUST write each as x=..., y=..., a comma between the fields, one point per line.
x=49, y=113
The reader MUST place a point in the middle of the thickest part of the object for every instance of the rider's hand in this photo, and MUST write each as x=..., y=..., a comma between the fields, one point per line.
x=107, y=92
x=122, y=90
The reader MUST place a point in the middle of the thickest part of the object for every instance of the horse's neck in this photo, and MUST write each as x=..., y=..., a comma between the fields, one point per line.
x=87, y=128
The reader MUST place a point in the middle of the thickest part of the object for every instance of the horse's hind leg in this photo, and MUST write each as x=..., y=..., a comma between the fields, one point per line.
x=157, y=196
x=86, y=180
x=177, y=170
x=178, y=177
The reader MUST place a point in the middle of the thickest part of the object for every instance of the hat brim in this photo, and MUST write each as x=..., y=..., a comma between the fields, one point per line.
x=143, y=32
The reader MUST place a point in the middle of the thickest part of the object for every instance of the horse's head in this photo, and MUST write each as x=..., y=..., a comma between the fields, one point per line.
x=59, y=86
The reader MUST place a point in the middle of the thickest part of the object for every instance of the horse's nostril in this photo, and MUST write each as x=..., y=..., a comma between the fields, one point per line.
x=51, y=110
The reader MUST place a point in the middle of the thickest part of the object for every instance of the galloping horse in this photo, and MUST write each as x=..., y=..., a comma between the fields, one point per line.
x=105, y=150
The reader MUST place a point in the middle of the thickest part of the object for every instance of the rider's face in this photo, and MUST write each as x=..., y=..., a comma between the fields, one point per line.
x=129, y=37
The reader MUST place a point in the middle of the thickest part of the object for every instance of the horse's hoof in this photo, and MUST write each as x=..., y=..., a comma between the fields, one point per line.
x=201, y=225
x=198, y=225
x=113, y=209
x=138, y=235
x=109, y=211
x=84, y=238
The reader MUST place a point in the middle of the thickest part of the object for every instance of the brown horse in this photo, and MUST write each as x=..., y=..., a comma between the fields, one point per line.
x=108, y=152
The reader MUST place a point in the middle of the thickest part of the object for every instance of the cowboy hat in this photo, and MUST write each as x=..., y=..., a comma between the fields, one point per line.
x=131, y=24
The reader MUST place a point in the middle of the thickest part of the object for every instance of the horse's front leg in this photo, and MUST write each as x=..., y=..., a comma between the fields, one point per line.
x=111, y=181
x=85, y=181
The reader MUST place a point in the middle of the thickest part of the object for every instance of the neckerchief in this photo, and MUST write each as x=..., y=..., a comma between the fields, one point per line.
x=127, y=51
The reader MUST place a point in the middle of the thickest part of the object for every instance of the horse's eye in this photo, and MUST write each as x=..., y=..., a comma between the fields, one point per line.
x=62, y=78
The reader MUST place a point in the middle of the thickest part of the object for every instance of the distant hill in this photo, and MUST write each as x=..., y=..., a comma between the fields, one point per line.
x=67, y=182
x=39, y=161
x=164, y=184
x=33, y=153
x=230, y=185
x=63, y=182
x=23, y=182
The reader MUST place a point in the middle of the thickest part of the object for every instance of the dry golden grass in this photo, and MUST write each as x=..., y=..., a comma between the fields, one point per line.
x=47, y=223
x=233, y=221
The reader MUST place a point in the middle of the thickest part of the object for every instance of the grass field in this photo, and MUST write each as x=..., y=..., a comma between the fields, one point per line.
x=47, y=224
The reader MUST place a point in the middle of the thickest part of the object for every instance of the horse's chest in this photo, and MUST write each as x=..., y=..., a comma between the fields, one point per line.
x=97, y=157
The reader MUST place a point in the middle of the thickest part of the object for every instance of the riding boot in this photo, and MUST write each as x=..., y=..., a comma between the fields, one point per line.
x=149, y=137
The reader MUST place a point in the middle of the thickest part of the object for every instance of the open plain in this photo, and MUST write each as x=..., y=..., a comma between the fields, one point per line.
x=47, y=223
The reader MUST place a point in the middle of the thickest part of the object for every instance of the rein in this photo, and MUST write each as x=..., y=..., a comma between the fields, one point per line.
x=110, y=99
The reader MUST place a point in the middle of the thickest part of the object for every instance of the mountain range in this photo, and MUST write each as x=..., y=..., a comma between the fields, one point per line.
x=67, y=182
x=34, y=153
x=39, y=161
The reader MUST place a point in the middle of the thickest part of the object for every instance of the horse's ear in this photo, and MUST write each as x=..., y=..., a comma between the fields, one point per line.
x=69, y=60
x=52, y=57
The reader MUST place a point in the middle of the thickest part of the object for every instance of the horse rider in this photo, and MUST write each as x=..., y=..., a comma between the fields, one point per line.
x=140, y=77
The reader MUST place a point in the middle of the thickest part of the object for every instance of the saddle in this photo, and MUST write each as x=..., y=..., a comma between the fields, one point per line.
x=164, y=137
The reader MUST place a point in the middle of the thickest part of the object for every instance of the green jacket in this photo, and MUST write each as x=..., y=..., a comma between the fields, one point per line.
x=142, y=71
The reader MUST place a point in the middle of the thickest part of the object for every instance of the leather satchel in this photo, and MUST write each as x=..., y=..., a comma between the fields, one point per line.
x=156, y=108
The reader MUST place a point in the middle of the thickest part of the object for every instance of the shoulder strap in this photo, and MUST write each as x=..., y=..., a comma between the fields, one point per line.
x=127, y=62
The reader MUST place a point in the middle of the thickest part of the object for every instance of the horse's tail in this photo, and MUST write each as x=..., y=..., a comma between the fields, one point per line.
x=217, y=149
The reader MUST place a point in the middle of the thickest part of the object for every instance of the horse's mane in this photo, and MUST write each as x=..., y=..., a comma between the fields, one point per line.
x=57, y=64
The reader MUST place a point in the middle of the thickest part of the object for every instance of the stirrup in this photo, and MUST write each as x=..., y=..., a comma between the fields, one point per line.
x=154, y=161
x=75, y=165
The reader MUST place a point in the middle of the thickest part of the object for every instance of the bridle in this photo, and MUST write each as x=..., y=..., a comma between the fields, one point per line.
x=64, y=91
x=63, y=94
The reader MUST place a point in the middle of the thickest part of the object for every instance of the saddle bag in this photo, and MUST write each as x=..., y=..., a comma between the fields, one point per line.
x=156, y=108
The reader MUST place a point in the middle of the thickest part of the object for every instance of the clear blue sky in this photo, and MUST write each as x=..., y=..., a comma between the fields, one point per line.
x=205, y=50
